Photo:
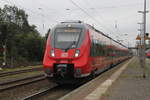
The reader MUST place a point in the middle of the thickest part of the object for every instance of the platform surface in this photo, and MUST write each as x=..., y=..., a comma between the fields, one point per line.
x=130, y=85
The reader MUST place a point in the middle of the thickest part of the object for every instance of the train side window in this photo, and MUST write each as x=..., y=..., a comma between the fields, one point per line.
x=92, y=48
x=101, y=48
x=95, y=48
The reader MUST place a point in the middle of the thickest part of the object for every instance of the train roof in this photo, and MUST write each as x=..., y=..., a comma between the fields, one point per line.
x=81, y=24
x=106, y=35
x=72, y=23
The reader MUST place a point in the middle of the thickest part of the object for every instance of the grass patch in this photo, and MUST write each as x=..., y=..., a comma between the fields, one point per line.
x=106, y=94
x=135, y=63
x=124, y=76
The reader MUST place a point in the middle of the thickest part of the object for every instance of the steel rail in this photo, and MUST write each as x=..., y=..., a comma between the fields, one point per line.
x=21, y=82
x=41, y=93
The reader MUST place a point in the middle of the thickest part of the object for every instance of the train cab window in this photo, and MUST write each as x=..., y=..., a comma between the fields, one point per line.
x=67, y=37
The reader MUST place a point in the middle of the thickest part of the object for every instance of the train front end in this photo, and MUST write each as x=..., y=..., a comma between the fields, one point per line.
x=66, y=56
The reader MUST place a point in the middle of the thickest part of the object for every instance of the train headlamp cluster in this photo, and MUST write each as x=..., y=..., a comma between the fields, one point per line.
x=77, y=53
x=52, y=53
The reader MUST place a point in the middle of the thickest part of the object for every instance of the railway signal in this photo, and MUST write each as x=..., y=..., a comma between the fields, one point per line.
x=138, y=38
x=146, y=37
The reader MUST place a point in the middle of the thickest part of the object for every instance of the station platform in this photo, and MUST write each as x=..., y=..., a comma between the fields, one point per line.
x=131, y=85
x=124, y=82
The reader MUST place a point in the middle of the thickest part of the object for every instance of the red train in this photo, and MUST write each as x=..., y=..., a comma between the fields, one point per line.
x=76, y=51
x=148, y=53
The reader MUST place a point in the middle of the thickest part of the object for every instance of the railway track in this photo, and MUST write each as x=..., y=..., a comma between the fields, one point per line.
x=3, y=74
x=53, y=93
x=20, y=82
x=41, y=93
x=23, y=90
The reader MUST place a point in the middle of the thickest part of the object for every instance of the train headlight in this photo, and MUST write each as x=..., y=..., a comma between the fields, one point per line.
x=77, y=53
x=52, y=53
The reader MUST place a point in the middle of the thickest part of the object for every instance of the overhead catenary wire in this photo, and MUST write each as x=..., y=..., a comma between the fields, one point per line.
x=99, y=23
x=99, y=15
x=116, y=30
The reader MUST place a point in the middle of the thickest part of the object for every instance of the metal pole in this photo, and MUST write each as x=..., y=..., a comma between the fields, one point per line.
x=143, y=41
x=140, y=44
x=142, y=59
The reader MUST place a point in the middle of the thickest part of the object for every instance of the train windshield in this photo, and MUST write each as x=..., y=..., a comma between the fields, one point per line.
x=67, y=38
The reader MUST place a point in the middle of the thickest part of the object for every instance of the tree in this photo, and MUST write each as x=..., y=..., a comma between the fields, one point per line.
x=24, y=43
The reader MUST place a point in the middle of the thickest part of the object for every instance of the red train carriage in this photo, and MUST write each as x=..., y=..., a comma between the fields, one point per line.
x=75, y=51
x=148, y=53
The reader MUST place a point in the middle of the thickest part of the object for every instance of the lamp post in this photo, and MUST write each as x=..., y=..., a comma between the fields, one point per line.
x=42, y=18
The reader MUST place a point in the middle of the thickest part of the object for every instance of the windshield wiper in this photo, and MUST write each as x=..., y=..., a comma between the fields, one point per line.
x=71, y=44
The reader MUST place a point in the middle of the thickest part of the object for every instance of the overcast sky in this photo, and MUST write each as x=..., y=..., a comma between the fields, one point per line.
x=113, y=17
